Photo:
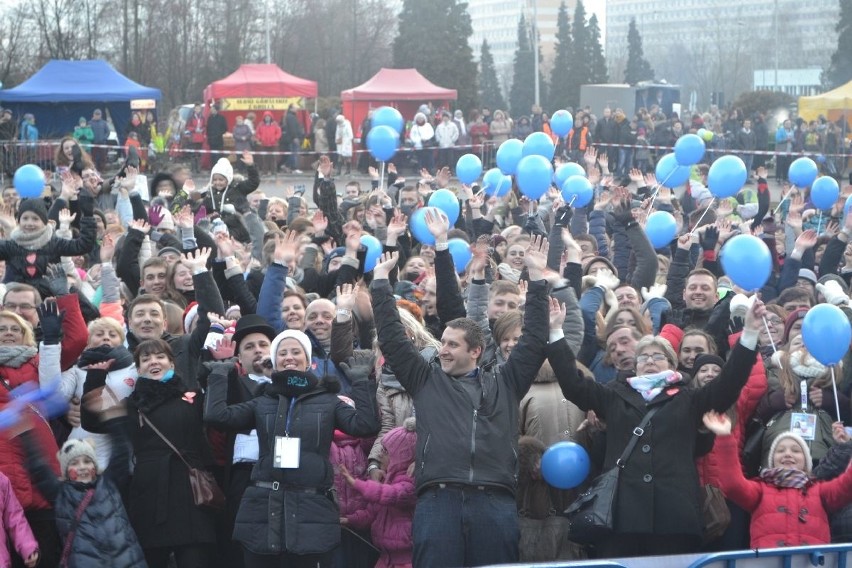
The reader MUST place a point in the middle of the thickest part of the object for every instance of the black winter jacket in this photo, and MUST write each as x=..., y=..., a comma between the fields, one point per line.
x=658, y=490
x=458, y=441
x=299, y=514
x=104, y=536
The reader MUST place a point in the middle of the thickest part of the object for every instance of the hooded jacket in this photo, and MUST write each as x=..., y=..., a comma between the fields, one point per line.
x=268, y=133
x=292, y=510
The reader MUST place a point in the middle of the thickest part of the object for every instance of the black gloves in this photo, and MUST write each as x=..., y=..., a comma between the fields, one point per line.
x=57, y=280
x=50, y=321
x=623, y=216
x=86, y=204
x=563, y=216
x=360, y=366
x=710, y=238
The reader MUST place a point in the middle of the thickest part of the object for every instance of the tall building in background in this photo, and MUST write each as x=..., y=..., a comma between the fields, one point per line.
x=713, y=46
x=497, y=21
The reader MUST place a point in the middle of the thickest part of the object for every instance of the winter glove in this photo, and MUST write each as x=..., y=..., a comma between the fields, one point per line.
x=201, y=214
x=709, y=238
x=359, y=367
x=740, y=305
x=57, y=280
x=535, y=226
x=563, y=216
x=655, y=291
x=833, y=293
x=623, y=216
x=155, y=215
x=86, y=204
x=606, y=279
x=50, y=321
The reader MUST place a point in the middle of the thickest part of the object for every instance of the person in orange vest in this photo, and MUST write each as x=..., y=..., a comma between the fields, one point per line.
x=579, y=138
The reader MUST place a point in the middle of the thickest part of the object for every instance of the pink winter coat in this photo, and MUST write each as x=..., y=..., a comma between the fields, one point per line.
x=14, y=525
x=348, y=451
x=390, y=505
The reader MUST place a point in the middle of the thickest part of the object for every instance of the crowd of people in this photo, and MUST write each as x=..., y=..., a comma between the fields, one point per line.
x=355, y=410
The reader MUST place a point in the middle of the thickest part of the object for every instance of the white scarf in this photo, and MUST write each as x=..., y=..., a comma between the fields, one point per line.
x=806, y=366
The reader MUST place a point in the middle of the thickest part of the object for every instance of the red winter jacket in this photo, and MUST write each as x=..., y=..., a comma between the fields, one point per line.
x=712, y=467
x=268, y=133
x=12, y=456
x=784, y=516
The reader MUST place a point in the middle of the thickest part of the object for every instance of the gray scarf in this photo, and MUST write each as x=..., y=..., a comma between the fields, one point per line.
x=34, y=240
x=16, y=355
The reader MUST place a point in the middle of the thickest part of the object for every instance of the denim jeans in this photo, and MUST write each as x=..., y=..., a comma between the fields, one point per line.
x=625, y=162
x=293, y=158
x=747, y=160
x=465, y=526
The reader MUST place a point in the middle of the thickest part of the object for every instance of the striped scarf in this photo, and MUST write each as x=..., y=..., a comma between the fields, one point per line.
x=785, y=477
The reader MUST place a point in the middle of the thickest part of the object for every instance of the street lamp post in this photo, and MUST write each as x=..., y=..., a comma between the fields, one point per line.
x=776, y=44
x=534, y=44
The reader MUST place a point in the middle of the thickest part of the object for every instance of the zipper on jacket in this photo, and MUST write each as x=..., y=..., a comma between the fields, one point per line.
x=473, y=444
x=425, y=451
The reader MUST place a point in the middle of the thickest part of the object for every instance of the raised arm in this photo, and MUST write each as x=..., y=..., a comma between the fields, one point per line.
x=272, y=290
x=216, y=409
x=410, y=369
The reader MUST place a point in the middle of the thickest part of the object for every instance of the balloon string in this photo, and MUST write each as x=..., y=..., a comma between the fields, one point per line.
x=657, y=187
x=382, y=176
x=772, y=341
x=784, y=198
x=698, y=223
x=819, y=223
x=570, y=203
x=834, y=388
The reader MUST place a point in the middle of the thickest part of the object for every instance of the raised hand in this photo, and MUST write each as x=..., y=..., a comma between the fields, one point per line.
x=603, y=201
x=478, y=259
x=655, y=291
x=196, y=261
x=50, y=321
x=397, y=225
x=603, y=162
x=762, y=172
x=155, y=214
x=100, y=366
x=57, y=279
x=353, y=231
x=247, y=158
x=224, y=244
x=70, y=185
x=325, y=167
x=130, y=175
x=591, y=156
x=535, y=257
x=724, y=208
x=636, y=176
x=426, y=176
x=346, y=296
x=189, y=186
x=754, y=316
x=320, y=222
x=66, y=218
x=807, y=240
x=557, y=314
x=718, y=423
x=286, y=248
x=385, y=264
x=443, y=177
x=140, y=225
x=607, y=279
x=651, y=180
x=223, y=349
x=107, y=248
x=374, y=173
x=184, y=218
x=392, y=168
x=437, y=223
x=593, y=174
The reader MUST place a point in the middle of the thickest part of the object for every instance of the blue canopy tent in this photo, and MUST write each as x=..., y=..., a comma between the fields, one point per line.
x=61, y=92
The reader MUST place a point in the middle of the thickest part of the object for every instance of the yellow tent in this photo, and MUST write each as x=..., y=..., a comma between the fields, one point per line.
x=831, y=105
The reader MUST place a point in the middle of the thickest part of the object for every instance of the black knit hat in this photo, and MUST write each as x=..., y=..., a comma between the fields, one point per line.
x=36, y=206
x=706, y=359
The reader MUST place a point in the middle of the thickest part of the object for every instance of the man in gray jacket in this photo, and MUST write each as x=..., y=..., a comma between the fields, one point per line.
x=467, y=421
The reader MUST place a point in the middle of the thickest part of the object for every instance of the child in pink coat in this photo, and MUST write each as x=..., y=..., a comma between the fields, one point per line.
x=14, y=526
x=390, y=505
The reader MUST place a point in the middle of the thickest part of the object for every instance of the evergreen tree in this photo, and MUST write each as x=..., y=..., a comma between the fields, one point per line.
x=581, y=70
x=490, y=94
x=638, y=68
x=522, y=93
x=597, y=61
x=433, y=38
x=560, y=75
x=839, y=72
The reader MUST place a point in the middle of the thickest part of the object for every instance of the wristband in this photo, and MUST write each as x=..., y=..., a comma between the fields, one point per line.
x=371, y=467
x=344, y=312
x=444, y=245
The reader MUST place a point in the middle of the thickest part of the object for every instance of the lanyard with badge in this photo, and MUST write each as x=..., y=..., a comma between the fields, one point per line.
x=804, y=423
x=287, y=448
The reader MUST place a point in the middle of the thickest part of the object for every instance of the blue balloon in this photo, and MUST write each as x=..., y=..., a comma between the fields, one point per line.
x=577, y=191
x=561, y=122
x=820, y=158
x=563, y=172
x=508, y=155
x=534, y=176
x=539, y=144
x=418, y=228
x=382, y=142
x=468, y=168
x=565, y=465
x=747, y=261
x=826, y=333
x=661, y=228
x=387, y=116
x=802, y=172
x=29, y=181
x=727, y=176
x=374, y=251
x=689, y=149
x=669, y=173
x=446, y=201
x=460, y=251
x=495, y=183
x=825, y=192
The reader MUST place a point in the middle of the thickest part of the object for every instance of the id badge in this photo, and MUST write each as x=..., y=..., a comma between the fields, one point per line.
x=286, y=452
x=804, y=425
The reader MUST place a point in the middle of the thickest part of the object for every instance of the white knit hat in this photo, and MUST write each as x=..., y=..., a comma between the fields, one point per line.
x=224, y=168
x=168, y=222
x=299, y=336
x=75, y=448
x=770, y=460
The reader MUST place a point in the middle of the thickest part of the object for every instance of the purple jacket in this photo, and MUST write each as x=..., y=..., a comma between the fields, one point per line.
x=348, y=451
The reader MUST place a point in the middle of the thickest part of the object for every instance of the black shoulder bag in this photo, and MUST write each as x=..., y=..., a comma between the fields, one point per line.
x=591, y=515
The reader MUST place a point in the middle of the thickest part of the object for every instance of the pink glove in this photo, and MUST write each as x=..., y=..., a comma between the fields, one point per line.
x=201, y=214
x=155, y=215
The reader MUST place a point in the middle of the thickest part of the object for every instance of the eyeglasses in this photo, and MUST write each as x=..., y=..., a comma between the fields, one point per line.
x=775, y=321
x=8, y=328
x=656, y=357
x=22, y=307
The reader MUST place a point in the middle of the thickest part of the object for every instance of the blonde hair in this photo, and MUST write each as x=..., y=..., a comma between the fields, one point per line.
x=421, y=337
x=26, y=328
x=106, y=324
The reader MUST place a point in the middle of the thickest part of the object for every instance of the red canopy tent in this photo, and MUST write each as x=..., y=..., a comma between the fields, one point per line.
x=258, y=87
x=403, y=89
